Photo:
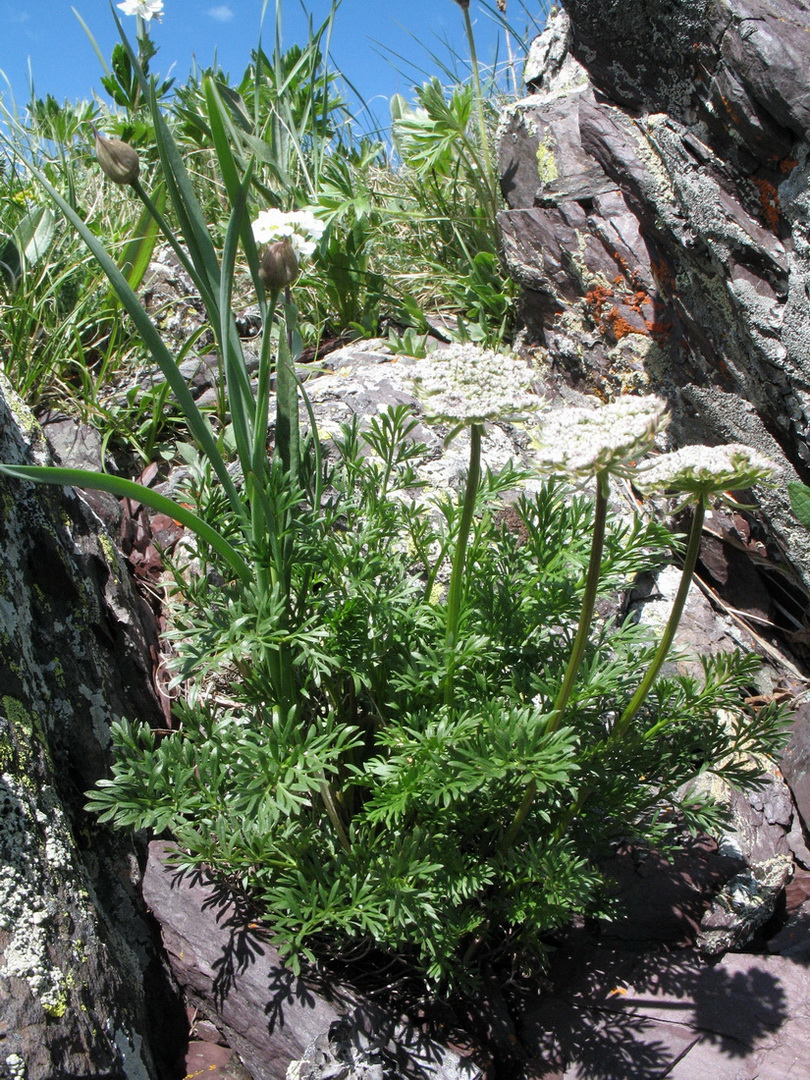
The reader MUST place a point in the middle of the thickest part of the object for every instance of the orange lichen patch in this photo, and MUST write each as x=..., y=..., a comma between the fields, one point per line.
x=595, y=300
x=786, y=165
x=660, y=330
x=769, y=201
x=637, y=300
x=627, y=273
x=619, y=326
x=664, y=276
x=603, y=309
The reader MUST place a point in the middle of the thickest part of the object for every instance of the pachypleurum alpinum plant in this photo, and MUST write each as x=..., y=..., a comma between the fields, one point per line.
x=403, y=725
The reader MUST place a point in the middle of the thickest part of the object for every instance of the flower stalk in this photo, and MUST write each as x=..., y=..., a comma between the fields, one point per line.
x=455, y=590
x=671, y=628
x=588, y=601
x=483, y=135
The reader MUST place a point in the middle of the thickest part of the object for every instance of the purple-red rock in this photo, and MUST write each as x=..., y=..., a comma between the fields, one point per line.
x=657, y=184
x=229, y=967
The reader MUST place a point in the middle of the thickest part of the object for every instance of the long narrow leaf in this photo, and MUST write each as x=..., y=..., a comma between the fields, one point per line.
x=230, y=175
x=136, y=256
x=240, y=395
x=187, y=208
x=129, y=489
x=197, y=423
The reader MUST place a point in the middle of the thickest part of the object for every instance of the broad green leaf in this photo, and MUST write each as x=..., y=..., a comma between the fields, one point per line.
x=34, y=234
x=10, y=262
x=800, y=502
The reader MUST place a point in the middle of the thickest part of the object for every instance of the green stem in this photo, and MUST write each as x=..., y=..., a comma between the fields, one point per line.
x=479, y=107
x=588, y=601
x=689, y=564
x=262, y=414
x=578, y=648
x=287, y=433
x=457, y=573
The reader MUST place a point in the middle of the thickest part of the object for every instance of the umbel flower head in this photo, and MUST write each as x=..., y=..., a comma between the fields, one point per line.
x=118, y=160
x=585, y=442
x=300, y=227
x=147, y=9
x=701, y=473
x=464, y=385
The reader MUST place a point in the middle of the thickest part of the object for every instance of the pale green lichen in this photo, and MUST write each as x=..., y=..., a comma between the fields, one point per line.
x=35, y=842
x=55, y=1003
x=24, y=417
x=547, y=170
x=15, y=1068
x=24, y=735
x=25, y=916
x=18, y=715
x=108, y=547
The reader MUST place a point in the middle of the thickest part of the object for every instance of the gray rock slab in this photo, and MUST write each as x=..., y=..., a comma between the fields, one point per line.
x=616, y=1016
x=76, y=946
x=796, y=763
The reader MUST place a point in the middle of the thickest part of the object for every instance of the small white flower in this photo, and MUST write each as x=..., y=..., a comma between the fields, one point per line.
x=705, y=471
x=147, y=9
x=300, y=227
x=465, y=384
x=585, y=442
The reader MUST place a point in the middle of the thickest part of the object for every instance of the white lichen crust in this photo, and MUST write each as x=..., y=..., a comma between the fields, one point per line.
x=27, y=911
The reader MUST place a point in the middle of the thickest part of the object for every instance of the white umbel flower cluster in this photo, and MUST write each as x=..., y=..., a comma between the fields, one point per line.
x=704, y=471
x=465, y=384
x=584, y=442
x=300, y=227
x=147, y=9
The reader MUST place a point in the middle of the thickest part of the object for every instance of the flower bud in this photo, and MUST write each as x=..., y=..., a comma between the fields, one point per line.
x=279, y=266
x=118, y=161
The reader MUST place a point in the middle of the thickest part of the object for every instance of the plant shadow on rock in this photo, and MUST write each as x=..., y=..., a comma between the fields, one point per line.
x=618, y=1014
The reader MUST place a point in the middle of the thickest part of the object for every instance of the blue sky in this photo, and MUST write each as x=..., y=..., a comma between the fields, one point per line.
x=48, y=36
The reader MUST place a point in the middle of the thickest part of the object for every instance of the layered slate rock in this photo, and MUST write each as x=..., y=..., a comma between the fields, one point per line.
x=657, y=185
x=75, y=943
x=229, y=967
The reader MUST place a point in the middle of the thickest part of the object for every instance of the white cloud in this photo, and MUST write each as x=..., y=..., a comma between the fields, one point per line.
x=221, y=13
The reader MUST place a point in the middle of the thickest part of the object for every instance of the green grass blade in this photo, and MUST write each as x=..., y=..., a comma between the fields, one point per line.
x=101, y=59
x=188, y=210
x=129, y=489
